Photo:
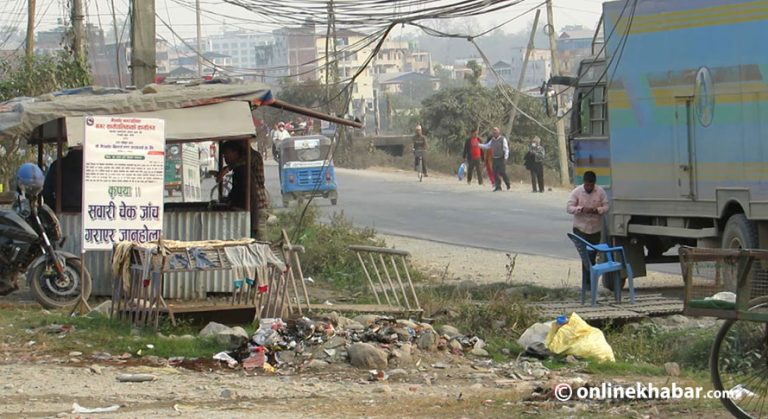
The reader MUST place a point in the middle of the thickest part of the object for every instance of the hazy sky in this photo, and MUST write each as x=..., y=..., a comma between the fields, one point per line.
x=182, y=19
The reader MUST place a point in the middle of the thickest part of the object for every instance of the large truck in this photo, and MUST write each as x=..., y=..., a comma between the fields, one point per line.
x=672, y=115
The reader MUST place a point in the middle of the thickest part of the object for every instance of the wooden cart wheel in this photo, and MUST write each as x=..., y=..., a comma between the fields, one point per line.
x=738, y=363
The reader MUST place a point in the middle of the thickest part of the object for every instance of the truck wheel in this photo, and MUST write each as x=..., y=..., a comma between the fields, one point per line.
x=739, y=233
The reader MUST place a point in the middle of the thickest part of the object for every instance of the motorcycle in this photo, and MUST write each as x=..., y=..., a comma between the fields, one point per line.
x=30, y=237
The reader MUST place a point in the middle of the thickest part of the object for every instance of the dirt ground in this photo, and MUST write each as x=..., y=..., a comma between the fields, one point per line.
x=37, y=384
x=44, y=389
x=485, y=266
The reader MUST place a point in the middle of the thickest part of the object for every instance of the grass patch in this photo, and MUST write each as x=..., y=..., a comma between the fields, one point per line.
x=649, y=343
x=327, y=257
x=488, y=311
x=624, y=368
x=97, y=333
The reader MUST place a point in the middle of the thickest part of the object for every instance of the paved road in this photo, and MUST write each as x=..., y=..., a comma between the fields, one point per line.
x=450, y=211
x=445, y=210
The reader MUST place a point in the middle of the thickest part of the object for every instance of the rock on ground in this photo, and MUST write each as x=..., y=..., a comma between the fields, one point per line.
x=367, y=356
x=213, y=329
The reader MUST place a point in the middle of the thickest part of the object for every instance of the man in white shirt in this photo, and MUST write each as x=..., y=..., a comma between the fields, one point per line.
x=499, y=147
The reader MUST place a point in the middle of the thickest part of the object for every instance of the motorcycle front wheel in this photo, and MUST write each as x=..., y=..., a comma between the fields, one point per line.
x=52, y=291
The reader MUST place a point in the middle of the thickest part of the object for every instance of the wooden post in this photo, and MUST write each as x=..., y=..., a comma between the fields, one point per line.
x=78, y=26
x=561, y=146
x=30, y=50
x=143, y=65
x=523, y=69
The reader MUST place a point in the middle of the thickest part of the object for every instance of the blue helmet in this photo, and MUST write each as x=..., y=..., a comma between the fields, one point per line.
x=30, y=179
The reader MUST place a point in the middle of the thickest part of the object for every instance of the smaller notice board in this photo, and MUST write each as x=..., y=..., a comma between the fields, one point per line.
x=123, y=173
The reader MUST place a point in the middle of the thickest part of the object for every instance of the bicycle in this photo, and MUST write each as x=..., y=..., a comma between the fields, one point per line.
x=221, y=189
x=419, y=154
x=738, y=359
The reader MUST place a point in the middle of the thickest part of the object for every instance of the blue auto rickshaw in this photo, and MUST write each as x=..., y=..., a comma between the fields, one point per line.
x=306, y=169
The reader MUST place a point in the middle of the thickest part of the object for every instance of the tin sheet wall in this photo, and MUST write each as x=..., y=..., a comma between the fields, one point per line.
x=186, y=226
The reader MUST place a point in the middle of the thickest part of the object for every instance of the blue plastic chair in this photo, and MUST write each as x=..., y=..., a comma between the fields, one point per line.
x=608, y=267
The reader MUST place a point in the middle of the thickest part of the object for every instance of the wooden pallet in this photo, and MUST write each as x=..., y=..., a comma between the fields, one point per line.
x=366, y=309
x=609, y=309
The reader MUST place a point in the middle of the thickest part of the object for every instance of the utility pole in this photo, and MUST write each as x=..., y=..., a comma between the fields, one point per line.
x=199, y=40
x=564, y=178
x=78, y=26
x=143, y=65
x=117, y=47
x=30, y=28
x=520, y=80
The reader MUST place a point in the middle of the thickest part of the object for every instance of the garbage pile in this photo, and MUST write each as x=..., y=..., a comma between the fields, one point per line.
x=566, y=336
x=367, y=342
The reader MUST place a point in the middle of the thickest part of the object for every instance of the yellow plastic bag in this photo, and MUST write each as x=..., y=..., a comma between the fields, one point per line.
x=579, y=339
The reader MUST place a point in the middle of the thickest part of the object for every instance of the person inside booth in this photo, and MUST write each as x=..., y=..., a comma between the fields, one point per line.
x=71, y=181
x=236, y=162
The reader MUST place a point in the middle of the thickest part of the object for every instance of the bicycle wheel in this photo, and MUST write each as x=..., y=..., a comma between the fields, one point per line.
x=420, y=169
x=739, y=363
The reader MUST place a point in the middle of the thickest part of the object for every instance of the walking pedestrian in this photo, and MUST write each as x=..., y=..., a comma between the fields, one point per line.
x=499, y=147
x=420, y=150
x=473, y=155
x=534, y=162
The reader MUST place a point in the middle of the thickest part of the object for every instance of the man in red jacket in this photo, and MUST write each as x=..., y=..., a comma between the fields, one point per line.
x=473, y=155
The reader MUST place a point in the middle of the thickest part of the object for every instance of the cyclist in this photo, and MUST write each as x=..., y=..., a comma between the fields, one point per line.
x=420, y=149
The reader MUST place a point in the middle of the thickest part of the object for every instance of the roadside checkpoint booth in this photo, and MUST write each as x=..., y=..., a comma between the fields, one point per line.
x=190, y=114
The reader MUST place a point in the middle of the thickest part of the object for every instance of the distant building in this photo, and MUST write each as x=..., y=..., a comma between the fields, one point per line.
x=574, y=44
x=240, y=46
x=400, y=82
x=538, y=69
x=109, y=65
x=297, y=48
x=212, y=63
x=351, y=55
x=401, y=56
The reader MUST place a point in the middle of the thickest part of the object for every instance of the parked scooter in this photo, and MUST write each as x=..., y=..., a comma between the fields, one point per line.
x=30, y=235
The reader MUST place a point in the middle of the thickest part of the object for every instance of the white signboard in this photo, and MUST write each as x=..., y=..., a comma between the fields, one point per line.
x=123, y=168
x=190, y=175
x=305, y=144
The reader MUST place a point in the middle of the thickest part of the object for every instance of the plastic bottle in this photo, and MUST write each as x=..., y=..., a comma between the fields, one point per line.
x=562, y=320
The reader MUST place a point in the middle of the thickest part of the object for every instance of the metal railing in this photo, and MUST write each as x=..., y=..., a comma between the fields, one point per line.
x=381, y=264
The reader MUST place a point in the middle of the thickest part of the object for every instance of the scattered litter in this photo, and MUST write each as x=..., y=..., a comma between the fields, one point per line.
x=723, y=296
x=309, y=280
x=223, y=356
x=739, y=392
x=150, y=346
x=377, y=375
x=76, y=408
x=135, y=378
x=327, y=303
x=576, y=337
x=59, y=328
